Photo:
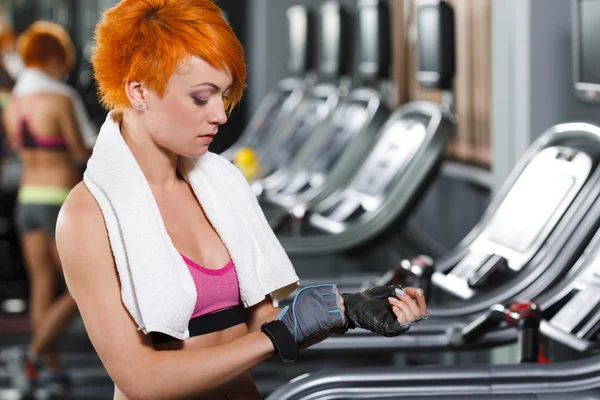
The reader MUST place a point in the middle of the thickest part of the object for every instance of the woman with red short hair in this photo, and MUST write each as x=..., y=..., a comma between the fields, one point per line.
x=174, y=268
x=7, y=40
x=10, y=60
x=43, y=129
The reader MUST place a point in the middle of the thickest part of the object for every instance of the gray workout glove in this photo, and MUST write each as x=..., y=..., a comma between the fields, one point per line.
x=314, y=310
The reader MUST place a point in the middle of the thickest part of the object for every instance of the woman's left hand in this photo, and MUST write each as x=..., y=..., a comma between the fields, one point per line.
x=409, y=305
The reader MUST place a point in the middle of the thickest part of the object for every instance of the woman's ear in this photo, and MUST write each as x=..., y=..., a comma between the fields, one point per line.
x=135, y=93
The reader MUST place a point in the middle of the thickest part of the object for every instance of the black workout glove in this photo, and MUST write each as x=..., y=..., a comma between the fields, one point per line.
x=372, y=310
x=315, y=309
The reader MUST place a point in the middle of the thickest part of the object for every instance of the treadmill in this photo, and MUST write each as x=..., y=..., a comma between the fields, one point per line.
x=561, y=274
x=281, y=102
x=395, y=176
x=345, y=139
x=532, y=233
x=333, y=71
x=571, y=322
x=553, y=244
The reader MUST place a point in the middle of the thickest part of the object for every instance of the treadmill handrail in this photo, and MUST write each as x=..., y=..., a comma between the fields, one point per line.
x=560, y=377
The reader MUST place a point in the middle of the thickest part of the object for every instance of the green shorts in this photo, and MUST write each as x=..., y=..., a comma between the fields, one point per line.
x=38, y=207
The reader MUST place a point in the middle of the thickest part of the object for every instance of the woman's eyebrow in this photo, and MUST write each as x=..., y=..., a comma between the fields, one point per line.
x=212, y=85
x=208, y=84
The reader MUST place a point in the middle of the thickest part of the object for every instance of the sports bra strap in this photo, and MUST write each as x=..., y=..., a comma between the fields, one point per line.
x=28, y=138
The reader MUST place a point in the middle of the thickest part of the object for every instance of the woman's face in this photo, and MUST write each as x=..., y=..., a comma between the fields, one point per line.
x=188, y=116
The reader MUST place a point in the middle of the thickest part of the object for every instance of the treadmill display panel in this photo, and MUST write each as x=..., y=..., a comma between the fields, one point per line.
x=589, y=14
x=369, y=23
x=300, y=133
x=345, y=124
x=330, y=38
x=429, y=42
x=395, y=149
x=528, y=208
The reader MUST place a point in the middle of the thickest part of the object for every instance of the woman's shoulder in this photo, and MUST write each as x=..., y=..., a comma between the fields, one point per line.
x=62, y=100
x=80, y=217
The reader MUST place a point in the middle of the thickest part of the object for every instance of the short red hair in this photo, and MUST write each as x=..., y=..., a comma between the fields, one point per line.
x=146, y=40
x=44, y=41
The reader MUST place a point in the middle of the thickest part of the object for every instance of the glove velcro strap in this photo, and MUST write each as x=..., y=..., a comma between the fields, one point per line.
x=282, y=339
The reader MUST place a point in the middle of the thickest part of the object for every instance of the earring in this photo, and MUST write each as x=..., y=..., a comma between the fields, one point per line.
x=139, y=106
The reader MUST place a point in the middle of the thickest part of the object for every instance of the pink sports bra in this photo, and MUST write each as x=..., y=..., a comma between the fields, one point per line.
x=217, y=288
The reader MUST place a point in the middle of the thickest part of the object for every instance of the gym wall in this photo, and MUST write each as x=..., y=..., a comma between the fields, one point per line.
x=472, y=83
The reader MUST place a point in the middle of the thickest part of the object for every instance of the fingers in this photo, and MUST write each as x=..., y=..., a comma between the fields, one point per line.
x=399, y=314
x=406, y=299
x=415, y=295
x=401, y=317
x=409, y=314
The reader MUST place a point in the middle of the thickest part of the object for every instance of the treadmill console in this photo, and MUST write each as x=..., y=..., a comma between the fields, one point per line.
x=585, y=52
x=311, y=112
x=400, y=141
x=403, y=135
x=522, y=222
x=345, y=123
x=301, y=129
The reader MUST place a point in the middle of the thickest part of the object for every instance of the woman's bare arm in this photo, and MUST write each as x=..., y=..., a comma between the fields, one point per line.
x=9, y=125
x=137, y=369
x=261, y=313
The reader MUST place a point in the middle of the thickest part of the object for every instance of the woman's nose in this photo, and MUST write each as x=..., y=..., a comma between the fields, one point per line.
x=218, y=114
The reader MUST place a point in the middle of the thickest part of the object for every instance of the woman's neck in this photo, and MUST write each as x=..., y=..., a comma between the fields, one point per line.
x=50, y=72
x=159, y=165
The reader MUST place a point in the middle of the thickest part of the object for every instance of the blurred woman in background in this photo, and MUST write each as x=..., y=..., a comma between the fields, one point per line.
x=7, y=38
x=43, y=128
x=9, y=57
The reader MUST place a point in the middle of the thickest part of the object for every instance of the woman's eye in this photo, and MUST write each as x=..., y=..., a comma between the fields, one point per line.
x=200, y=102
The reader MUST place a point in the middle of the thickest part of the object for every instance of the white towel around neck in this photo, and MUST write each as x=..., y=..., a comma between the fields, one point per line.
x=32, y=81
x=156, y=286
